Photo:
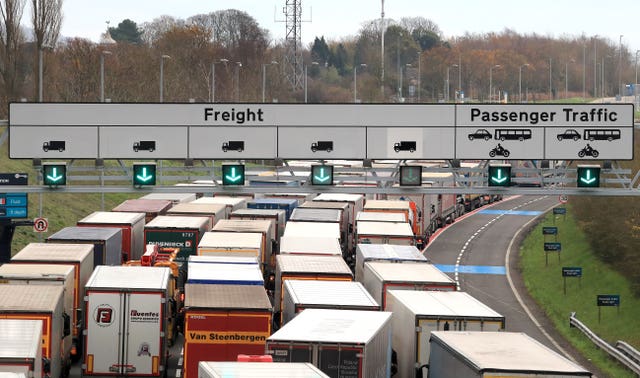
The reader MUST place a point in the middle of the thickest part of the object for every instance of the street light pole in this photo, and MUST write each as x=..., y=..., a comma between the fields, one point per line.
x=40, y=76
x=449, y=82
x=566, y=78
x=520, y=80
x=162, y=58
x=419, y=82
x=491, y=81
x=595, y=67
x=620, y=68
x=636, y=82
x=355, y=81
x=264, y=77
x=105, y=52
x=213, y=77
x=237, y=86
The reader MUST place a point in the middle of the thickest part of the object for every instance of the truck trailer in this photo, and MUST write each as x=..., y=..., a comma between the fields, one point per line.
x=80, y=256
x=20, y=348
x=262, y=227
x=126, y=311
x=417, y=313
x=341, y=343
x=380, y=277
x=300, y=295
x=214, y=211
x=222, y=369
x=223, y=321
x=131, y=224
x=496, y=354
x=106, y=241
x=385, y=233
x=387, y=253
x=152, y=208
x=45, y=304
x=181, y=232
x=310, y=245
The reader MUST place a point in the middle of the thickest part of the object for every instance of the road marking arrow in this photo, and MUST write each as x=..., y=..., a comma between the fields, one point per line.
x=54, y=175
x=144, y=177
x=233, y=177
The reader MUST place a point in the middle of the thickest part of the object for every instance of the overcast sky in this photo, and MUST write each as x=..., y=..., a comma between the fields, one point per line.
x=337, y=19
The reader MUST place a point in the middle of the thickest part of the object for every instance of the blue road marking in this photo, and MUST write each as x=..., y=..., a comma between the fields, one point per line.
x=510, y=212
x=473, y=269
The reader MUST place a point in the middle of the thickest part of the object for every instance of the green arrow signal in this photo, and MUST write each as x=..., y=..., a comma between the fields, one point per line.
x=54, y=177
x=588, y=179
x=499, y=179
x=322, y=177
x=144, y=177
x=233, y=177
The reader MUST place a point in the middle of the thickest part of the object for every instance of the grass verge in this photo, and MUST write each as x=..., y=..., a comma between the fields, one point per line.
x=545, y=284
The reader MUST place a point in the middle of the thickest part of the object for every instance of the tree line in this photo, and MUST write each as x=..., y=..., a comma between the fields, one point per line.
x=230, y=48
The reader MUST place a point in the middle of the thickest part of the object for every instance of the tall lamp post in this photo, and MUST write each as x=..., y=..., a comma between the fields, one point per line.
x=620, y=68
x=520, y=80
x=448, y=82
x=264, y=77
x=213, y=77
x=491, y=81
x=237, y=86
x=102, y=54
x=355, y=81
x=566, y=78
x=636, y=82
x=306, y=78
x=162, y=58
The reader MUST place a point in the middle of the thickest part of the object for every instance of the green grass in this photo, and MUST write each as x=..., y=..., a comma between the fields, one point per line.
x=545, y=283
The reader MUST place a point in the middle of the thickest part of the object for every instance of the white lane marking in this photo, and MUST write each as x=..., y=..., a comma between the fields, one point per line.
x=178, y=373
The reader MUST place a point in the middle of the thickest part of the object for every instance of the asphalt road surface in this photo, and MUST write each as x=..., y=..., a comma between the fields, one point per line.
x=473, y=251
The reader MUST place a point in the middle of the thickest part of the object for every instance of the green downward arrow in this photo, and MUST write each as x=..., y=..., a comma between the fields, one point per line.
x=233, y=177
x=499, y=179
x=588, y=179
x=54, y=177
x=144, y=177
x=322, y=177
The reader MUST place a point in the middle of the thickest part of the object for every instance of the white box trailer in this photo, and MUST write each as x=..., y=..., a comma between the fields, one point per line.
x=4, y=374
x=231, y=203
x=126, y=315
x=385, y=233
x=301, y=197
x=225, y=260
x=418, y=313
x=378, y=216
x=300, y=295
x=496, y=354
x=310, y=245
x=43, y=274
x=263, y=227
x=341, y=343
x=278, y=216
x=173, y=197
x=356, y=203
x=380, y=277
x=241, y=244
x=308, y=267
x=224, y=369
x=224, y=274
x=81, y=257
x=213, y=211
x=388, y=253
x=20, y=348
x=316, y=229
x=43, y=303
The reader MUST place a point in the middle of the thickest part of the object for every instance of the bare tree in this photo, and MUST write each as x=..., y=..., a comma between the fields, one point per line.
x=47, y=20
x=10, y=40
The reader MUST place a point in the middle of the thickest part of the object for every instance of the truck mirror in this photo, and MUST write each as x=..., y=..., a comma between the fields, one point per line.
x=66, y=325
x=79, y=316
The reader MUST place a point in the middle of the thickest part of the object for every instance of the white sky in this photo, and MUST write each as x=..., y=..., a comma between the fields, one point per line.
x=337, y=19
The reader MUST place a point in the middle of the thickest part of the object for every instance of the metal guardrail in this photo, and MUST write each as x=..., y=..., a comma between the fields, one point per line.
x=629, y=351
x=600, y=343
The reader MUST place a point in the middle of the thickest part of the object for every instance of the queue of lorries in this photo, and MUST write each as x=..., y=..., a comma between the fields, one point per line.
x=327, y=285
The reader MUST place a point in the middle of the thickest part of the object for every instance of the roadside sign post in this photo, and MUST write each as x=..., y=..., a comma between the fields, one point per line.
x=571, y=271
x=551, y=247
x=559, y=211
x=607, y=300
x=550, y=231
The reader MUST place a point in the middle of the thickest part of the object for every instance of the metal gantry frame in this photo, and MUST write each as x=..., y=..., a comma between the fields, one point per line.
x=369, y=177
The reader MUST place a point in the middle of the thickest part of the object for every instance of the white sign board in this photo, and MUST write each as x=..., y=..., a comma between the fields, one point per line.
x=322, y=131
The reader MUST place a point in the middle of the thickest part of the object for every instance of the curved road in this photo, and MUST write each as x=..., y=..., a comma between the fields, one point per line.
x=474, y=252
